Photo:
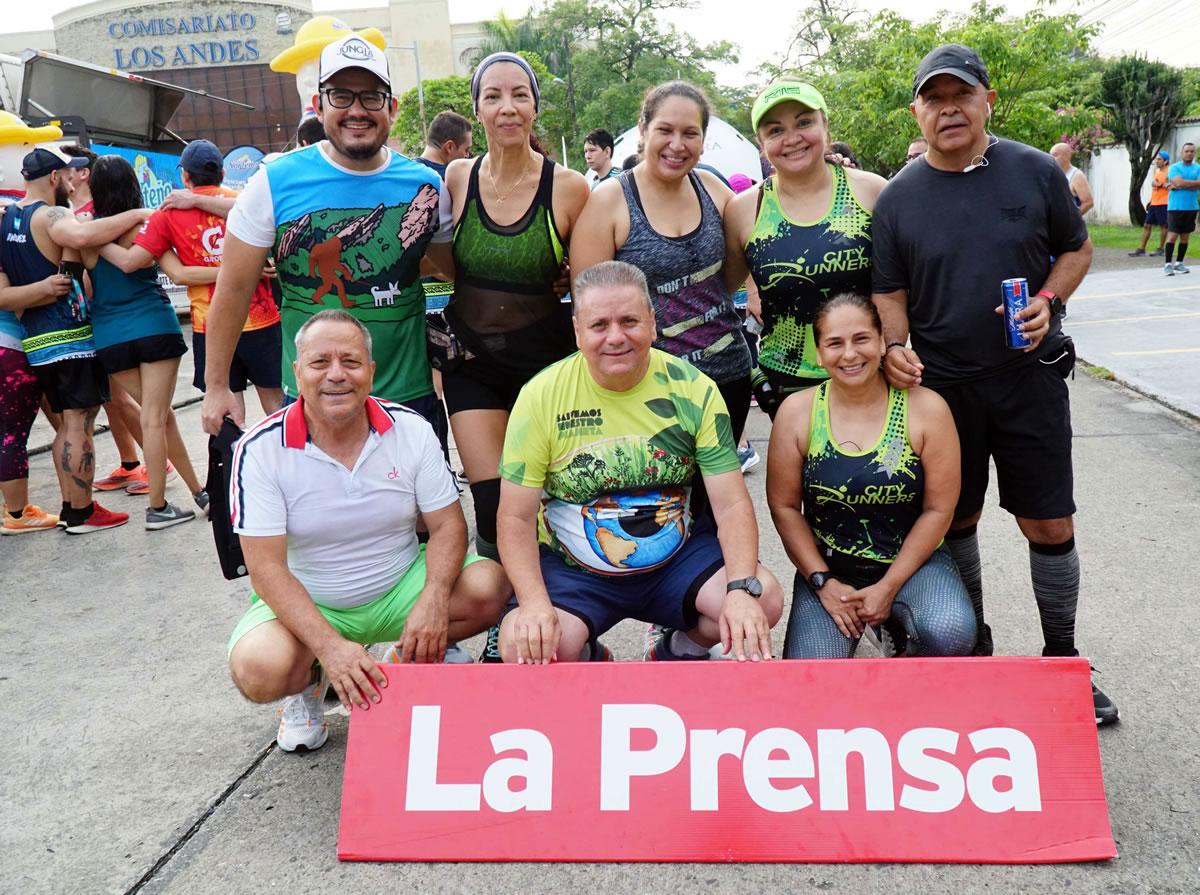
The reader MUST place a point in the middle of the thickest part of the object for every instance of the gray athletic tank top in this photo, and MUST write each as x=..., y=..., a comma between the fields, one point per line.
x=696, y=318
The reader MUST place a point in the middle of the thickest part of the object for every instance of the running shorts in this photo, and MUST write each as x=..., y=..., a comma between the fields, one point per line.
x=664, y=596
x=78, y=383
x=1022, y=421
x=378, y=621
x=146, y=350
x=256, y=359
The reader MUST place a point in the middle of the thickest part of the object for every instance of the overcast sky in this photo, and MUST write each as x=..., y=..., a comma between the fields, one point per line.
x=1164, y=29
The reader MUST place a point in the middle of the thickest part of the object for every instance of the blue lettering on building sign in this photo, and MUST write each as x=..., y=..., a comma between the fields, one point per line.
x=195, y=51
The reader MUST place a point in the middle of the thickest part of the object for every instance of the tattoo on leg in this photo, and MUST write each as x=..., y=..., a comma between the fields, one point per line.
x=66, y=457
x=87, y=464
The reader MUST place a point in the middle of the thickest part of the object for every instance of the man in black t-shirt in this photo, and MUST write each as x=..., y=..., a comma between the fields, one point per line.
x=948, y=229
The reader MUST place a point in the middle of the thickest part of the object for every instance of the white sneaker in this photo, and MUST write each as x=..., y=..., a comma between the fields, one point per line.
x=1168, y=270
x=302, y=720
x=455, y=655
x=1180, y=268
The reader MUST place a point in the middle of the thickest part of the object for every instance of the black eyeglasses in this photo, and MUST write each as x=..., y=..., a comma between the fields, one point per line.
x=371, y=100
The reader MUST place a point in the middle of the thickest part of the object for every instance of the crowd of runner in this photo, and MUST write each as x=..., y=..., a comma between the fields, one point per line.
x=601, y=437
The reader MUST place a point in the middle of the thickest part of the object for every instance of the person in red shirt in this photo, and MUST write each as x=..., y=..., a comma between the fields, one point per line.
x=192, y=222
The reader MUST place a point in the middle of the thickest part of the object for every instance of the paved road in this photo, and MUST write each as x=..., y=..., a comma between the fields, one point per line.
x=1145, y=328
x=130, y=761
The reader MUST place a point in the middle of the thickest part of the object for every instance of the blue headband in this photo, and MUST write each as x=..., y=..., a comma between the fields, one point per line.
x=477, y=78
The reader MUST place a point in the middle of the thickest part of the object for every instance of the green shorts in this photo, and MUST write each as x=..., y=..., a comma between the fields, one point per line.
x=379, y=621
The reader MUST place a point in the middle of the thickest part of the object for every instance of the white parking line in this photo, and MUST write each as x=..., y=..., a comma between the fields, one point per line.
x=1156, y=351
x=1137, y=292
x=1077, y=323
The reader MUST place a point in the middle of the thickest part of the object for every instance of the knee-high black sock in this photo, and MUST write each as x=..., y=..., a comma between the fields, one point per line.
x=486, y=496
x=1170, y=250
x=1182, y=251
x=1054, y=569
x=963, y=545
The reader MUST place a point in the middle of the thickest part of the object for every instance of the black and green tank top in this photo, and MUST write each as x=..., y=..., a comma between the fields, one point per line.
x=797, y=265
x=504, y=304
x=864, y=503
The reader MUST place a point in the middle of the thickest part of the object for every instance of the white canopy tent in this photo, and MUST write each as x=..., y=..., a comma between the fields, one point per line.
x=724, y=148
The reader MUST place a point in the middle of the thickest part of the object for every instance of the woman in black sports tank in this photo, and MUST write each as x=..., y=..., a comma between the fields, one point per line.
x=862, y=479
x=803, y=234
x=513, y=213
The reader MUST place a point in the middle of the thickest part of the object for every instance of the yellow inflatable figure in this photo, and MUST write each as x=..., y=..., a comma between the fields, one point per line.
x=303, y=57
x=18, y=139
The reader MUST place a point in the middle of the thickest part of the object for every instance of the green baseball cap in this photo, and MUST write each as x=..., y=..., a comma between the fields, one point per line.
x=786, y=91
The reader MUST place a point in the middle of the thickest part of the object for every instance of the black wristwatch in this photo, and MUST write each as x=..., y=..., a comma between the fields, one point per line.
x=750, y=585
x=1057, y=308
x=818, y=580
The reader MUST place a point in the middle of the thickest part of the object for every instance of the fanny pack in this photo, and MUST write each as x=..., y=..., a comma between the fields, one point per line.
x=446, y=352
x=1060, y=356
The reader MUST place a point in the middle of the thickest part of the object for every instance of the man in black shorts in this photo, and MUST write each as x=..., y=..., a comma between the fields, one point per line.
x=1183, y=204
x=948, y=229
x=39, y=233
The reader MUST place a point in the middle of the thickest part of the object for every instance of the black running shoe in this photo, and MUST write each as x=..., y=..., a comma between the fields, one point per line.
x=983, y=642
x=491, y=651
x=1106, y=711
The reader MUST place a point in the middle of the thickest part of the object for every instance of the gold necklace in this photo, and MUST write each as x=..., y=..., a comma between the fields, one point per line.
x=496, y=189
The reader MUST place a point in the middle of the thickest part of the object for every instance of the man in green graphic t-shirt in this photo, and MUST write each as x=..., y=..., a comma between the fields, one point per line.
x=595, y=522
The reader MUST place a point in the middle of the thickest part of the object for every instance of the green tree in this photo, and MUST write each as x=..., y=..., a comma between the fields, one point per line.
x=1037, y=63
x=452, y=94
x=1143, y=100
x=601, y=57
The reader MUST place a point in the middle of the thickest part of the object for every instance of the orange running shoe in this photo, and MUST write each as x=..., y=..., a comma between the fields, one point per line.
x=142, y=485
x=98, y=521
x=33, y=518
x=120, y=478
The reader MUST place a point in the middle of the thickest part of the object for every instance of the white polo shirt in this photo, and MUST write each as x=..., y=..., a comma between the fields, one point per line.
x=351, y=532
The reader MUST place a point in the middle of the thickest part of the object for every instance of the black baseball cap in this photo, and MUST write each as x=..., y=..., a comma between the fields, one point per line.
x=951, y=59
x=42, y=162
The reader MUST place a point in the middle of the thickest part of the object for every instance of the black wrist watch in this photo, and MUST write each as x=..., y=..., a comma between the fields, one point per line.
x=818, y=580
x=750, y=585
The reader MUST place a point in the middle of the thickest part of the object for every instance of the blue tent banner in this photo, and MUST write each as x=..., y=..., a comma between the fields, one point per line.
x=157, y=172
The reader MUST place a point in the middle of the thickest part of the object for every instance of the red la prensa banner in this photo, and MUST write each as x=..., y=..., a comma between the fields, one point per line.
x=943, y=760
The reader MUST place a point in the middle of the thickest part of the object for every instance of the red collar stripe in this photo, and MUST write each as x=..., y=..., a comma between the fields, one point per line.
x=295, y=429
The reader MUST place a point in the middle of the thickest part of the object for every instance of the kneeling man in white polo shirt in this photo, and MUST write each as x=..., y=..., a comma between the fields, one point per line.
x=325, y=495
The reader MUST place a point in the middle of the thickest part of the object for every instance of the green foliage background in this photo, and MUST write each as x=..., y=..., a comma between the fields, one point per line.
x=596, y=60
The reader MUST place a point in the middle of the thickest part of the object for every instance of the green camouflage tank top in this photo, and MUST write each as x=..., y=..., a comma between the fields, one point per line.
x=796, y=266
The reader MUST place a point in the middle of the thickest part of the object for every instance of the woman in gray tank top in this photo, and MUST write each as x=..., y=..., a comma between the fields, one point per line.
x=664, y=218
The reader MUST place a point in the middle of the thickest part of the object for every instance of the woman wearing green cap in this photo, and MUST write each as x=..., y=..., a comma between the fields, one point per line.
x=804, y=234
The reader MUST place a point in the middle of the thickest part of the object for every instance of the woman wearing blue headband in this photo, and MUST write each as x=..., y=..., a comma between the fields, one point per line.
x=513, y=212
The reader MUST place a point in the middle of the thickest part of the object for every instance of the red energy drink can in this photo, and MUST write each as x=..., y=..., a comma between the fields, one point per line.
x=1016, y=299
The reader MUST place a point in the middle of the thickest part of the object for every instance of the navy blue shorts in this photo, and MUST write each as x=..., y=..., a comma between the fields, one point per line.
x=256, y=359
x=1156, y=215
x=665, y=596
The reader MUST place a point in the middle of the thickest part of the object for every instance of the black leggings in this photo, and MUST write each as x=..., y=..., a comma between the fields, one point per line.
x=737, y=400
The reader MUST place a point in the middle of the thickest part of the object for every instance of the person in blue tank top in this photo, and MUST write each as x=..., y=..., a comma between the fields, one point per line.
x=139, y=342
x=862, y=479
x=39, y=232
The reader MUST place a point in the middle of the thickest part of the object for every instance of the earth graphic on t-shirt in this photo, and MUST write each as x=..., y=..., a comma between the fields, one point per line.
x=637, y=530
x=622, y=532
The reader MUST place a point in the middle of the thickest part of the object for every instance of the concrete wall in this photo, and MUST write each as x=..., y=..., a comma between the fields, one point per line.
x=1108, y=173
